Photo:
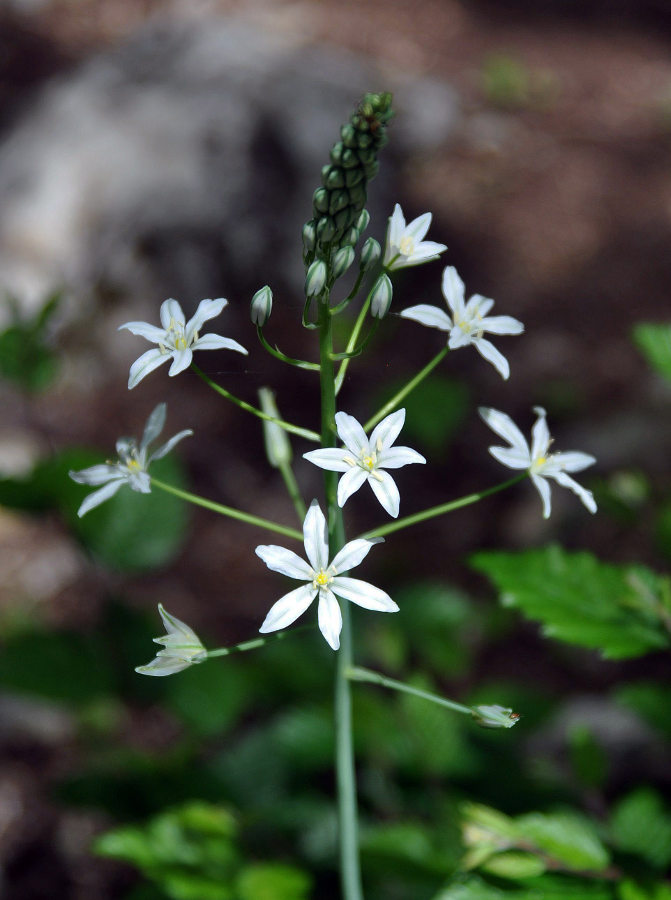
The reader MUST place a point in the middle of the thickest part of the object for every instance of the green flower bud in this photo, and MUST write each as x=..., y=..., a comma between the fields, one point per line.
x=334, y=178
x=320, y=199
x=349, y=238
x=261, y=306
x=339, y=200
x=495, y=716
x=275, y=438
x=309, y=236
x=342, y=260
x=326, y=230
x=363, y=220
x=353, y=177
x=348, y=135
x=380, y=300
x=370, y=253
x=315, y=278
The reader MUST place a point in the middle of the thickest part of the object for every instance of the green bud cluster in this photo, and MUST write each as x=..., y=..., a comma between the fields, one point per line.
x=339, y=216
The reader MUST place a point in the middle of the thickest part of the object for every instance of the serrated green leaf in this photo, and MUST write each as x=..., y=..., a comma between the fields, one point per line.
x=579, y=599
x=654, y=342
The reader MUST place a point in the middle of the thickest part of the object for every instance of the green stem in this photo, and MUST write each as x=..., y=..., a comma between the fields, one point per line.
x=228, y=510
x=391, y=405
x=358, y=674
x=293, y=490
x=277, y=353
x=257, y=642
x=351, y=344
x=294, y=429
x=350, y=873
x=357, y=351
x=440, y=509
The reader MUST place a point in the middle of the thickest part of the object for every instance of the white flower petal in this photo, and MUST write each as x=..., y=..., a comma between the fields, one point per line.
x=504, y=426
x=427, y=251
x=284, y=561
x=288, y=608
x=145, y=364
x=175, y=626
x=181, y=361
x=171, y=313
x=166, y=665
x=487, y=350
x=207, y=309
x=328, y=458
x=329, y=617
x=217, y=342
x=478, y=306
x=396, y=457
x=431, y=316
x=453, y=291
x=571, y=461
x=94, y=475
x=140, y=482
x=501, y=325
x=352, y=554
x=144, y=329
x=384, y=488
x=395, y=233
x=586, y=496
x=154, y=426
x=460, y=338
x=543, y=489
x=315, y=537
x=540, y=435
x=385, y=432
x=418, y=227
x=99, y=496
x=167, y=447
x=363, y=594
x=351, y=433
x=350, y=482
x=512, y=457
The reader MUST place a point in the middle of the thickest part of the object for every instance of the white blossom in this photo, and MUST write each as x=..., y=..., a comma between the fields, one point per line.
x=405, y=245
x=132, y=464
x=321, y=579
x=181, y=648
x=469, y=321
x=540, y=463
x=365, y=459
x=177, y=338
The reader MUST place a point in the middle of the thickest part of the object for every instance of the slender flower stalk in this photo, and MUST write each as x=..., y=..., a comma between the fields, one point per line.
x=408, y=388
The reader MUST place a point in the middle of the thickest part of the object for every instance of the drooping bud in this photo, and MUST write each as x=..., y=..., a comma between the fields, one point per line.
x=315, y=278
x=495, y=716
x=338, y=205
x=261, y=306
x=381, y=297
x=370, y=253
x=342, y=260
x=275, y=438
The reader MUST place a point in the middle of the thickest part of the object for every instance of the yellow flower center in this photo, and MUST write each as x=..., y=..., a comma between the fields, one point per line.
x=407, y=245
x=133, y=464
x=180, y=343
x=321, y=579
x=368, y=462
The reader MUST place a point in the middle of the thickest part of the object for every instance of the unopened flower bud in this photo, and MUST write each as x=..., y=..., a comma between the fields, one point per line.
x=370, y=253
x=495, y=716
x=342, y=260
x=309, y=236
x=381, y=297
x=261, y=306
x=275, y=438
x=364, y=219
x=315, y=278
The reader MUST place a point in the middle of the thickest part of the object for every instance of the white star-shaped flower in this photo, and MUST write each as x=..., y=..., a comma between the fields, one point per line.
x=536, y=459
x=181, y=648
x=405, y=245
x=321, y=578
x=132, y=464
x=365, y=459
x=469, y=321
x=177, y=338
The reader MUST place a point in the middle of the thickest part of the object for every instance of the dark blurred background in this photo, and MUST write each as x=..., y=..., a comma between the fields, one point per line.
x=156, y=149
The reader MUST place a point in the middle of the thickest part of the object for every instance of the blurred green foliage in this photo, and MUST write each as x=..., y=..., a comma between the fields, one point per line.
x=26, y=357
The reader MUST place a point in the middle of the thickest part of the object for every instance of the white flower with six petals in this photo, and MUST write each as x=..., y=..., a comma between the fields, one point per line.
x=365, y=459
x=177, y=338
x=469, y=320
x=536, y=459
x=132, y=464
x=321, y=578
x=405, y=245
x=181, y=648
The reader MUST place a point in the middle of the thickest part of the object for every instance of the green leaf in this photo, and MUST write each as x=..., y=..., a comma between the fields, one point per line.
x=654, y=342
x=546, y=887
x=514, y=864
x=650, y=701
x=629, y=890
x=641, y=824
x=25, y=355
x=273, y=882
x=577, y=598
x=566, y=837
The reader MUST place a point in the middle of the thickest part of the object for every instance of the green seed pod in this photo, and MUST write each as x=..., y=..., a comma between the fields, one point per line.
x=342, y=260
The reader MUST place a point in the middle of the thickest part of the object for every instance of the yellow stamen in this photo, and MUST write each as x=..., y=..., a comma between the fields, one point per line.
x=321, y=579
x=407, y=246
